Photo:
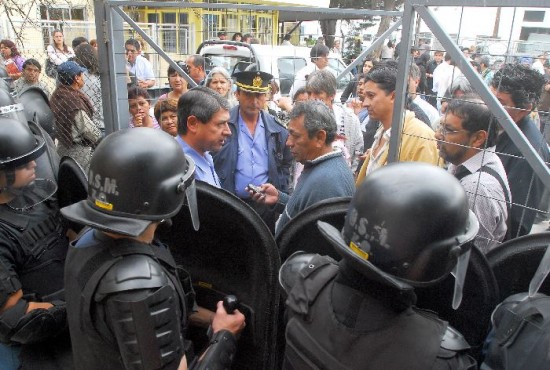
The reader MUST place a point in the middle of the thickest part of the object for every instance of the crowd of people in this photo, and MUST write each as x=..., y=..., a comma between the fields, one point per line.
x=280, y=156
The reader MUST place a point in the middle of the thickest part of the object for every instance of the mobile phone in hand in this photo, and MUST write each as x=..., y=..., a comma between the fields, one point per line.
x=253, y=188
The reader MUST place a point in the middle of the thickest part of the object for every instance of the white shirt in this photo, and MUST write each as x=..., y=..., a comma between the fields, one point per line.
x=444, y=75
x=301, y=77
x=486, y=197
x=142, y=69
x=431, y=112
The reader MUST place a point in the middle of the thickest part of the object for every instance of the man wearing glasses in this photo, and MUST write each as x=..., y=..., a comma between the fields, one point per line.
x=466, y=139
x=138, y=66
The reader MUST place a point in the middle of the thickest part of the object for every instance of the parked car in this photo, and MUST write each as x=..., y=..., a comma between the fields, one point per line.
x=281, y=61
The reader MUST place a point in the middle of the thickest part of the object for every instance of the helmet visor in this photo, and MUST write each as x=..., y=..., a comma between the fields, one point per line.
x=33, y=194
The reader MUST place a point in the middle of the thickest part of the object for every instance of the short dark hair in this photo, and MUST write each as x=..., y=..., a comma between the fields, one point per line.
x=200, y=102
x=79, y=40
x=135, y=92
x=475, y=116
x=384, y=77
x=522, y=83
x=181, y=64
x=198, y=60
x=300, y=91
x=165, y=105
x=86, y=56
x=135, y=43
x=317, y=116
x=32, y=62
x=319, y=50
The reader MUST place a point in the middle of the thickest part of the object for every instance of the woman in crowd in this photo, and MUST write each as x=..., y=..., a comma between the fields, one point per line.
x=387, y=50
x=58, y=52
x=219, y=80
x=140, y=108
x=351, y=88
x=177, y=84
x=166, y=113
x=336, y=47
x=237, y=36
x=13, y=61
x=86, y=56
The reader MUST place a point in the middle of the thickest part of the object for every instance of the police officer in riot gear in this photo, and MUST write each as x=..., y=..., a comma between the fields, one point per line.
x=126, y=306
x=401, y=231
x=33, y=247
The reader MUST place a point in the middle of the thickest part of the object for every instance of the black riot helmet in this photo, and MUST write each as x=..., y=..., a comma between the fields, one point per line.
x=406, y=226
x=9, y=108
x=18, y=145
x=136, y=176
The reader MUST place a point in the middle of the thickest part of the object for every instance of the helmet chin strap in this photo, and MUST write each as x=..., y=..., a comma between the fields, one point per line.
x=10, y=180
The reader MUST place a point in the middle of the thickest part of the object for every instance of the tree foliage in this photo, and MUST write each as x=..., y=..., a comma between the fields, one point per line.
x=23, y=9
x=329, y=27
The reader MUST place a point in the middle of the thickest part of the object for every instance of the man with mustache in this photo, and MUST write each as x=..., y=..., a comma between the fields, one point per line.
x=203, y=128
x=255, y=153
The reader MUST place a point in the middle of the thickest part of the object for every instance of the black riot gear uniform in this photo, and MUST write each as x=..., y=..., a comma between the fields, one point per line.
x=128, y=291
x=127, y=308
x=33, y=246
x=360, y=313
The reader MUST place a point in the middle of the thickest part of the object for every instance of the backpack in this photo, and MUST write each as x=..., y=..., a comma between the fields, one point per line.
x=51, y=68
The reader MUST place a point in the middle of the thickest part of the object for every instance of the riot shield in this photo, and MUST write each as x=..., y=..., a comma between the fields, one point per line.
x=47, y=165
x=9, y=108
x=301, y=233
x=514, y=263
x=232, y=253
x=480, y=297
x=72, y=187
x=37, y=108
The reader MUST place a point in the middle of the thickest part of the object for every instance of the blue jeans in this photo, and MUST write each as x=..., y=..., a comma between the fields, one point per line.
x=9, y=357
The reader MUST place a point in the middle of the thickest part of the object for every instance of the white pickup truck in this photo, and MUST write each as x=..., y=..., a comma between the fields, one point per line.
x=281, y=61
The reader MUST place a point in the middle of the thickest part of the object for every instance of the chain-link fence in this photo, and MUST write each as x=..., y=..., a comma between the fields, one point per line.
x=33, y=41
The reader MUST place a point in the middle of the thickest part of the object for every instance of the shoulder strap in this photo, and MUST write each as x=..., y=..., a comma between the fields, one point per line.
x=495, y=174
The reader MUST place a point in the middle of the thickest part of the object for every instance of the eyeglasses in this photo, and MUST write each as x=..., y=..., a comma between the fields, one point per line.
x=445, y=130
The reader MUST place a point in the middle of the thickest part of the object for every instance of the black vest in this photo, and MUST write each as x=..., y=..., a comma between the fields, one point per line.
x=316, y=339
x=38, y=245
x=84, y=269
